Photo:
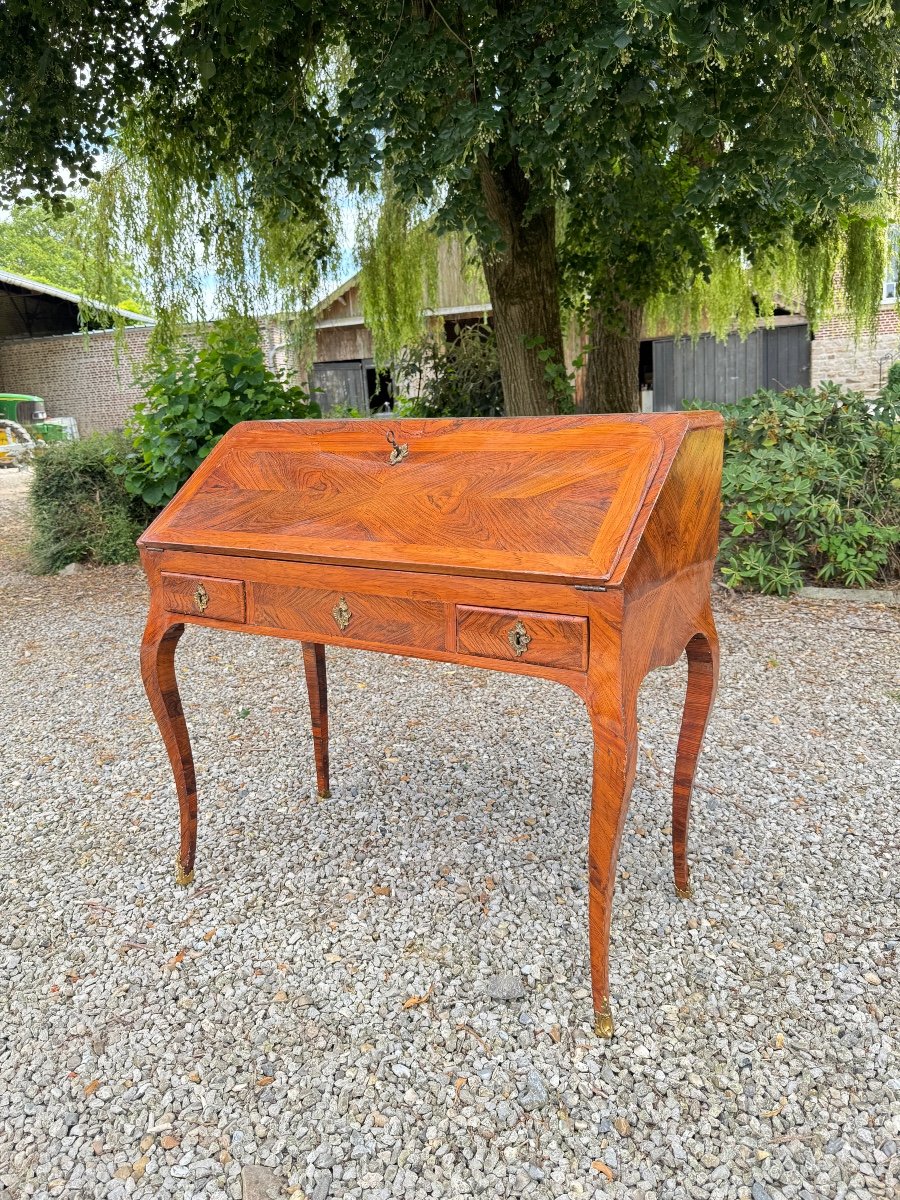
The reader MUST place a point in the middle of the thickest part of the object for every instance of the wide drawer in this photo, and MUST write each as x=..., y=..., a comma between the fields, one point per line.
x=203, y=596
x=356, y=616
x=528, y=637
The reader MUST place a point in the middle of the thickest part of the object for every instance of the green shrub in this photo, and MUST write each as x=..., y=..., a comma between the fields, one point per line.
x=80, y=509
x=811, y=489
x=195, y=394
x=892, y=386
x=458, y=379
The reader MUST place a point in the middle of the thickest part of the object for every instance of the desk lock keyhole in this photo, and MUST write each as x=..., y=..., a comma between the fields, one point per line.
x=398, y=452
x=519, y=637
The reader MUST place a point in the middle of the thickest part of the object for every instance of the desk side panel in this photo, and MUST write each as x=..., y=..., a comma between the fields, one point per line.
x=683, y=527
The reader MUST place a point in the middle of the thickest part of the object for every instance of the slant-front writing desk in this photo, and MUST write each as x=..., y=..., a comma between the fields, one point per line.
x=579, y=549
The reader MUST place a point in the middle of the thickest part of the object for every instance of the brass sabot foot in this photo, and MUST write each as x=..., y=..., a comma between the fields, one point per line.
x=603, y=1022
x=183, y=878
x=686, y=892
x=325, y=795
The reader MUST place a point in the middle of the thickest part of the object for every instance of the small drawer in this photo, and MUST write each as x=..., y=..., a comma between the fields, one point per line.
x=355, y=616
x=202, y=596
x=527, y=637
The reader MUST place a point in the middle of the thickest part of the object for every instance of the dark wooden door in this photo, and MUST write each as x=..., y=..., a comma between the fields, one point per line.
x=715, y=372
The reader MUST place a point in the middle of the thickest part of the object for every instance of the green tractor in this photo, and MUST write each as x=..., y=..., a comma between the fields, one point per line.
x=28, y=414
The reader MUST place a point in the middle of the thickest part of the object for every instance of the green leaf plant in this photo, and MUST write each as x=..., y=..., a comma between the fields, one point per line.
x=195, y=393
x=810, y=490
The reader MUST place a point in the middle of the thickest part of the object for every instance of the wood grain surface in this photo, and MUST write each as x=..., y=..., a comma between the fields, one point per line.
x=597, y=534
x=386, y=620
x=553, y=498
x=158, y=673
x=317, y=690
x=203, y=596
x=553, y=640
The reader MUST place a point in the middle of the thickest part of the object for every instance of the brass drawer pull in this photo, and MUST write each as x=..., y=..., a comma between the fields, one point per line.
x=519, y=637
x=342, y=614
x=201, y=597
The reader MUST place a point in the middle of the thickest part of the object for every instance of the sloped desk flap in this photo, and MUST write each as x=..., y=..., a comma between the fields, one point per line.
x=551, y=498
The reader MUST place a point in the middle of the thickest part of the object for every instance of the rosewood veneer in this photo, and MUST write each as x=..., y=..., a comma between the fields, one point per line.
x=578, y=549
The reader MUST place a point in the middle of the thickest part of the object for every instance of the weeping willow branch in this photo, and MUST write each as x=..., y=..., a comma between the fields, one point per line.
x=841, y=272
x=398, y=254
x=202, y=251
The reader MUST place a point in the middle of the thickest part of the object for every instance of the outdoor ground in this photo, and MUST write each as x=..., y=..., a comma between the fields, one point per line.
x=321, y=1002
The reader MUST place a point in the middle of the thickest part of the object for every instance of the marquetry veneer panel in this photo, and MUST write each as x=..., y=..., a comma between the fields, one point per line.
x=530, y=637
x=385, y=620
x=201, y=596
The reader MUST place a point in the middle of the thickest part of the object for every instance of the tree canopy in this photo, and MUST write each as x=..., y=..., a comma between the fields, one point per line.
x=47, y=246
x=619, y=157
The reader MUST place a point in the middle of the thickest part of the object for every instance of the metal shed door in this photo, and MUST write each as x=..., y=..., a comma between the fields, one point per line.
x=723, y=372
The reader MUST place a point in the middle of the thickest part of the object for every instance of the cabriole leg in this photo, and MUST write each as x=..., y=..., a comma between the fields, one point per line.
x=615, y=759
x=703, y=670
x=314, y=666
x=158, y=673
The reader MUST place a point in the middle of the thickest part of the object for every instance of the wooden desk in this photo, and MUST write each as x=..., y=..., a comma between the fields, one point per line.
x=578, y=549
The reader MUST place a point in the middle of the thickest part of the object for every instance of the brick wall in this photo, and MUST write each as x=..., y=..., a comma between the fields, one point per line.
x=77, y=375
x=861, y=365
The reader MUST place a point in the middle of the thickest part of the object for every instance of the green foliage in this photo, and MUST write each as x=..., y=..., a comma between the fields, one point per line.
x=558, y=380
x=397, y=249
x=811, y=490
x=460, y=379
x=892, y=384
x=195, y=394
x=344, y=412
x=80, y=509
x=49, y=247
x=750, y=160
x=205, y=243
x=684, y=142
x=841, y=271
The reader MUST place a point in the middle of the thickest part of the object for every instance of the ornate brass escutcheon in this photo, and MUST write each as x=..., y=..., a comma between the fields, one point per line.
x=342, y=614
x=201, y=597
x=519, y=637
x=399, y=452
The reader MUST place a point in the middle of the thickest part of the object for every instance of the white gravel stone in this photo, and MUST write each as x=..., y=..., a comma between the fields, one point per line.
x=258, y=1019
x=505, y=987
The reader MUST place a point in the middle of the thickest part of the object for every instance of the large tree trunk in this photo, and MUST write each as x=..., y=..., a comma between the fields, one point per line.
x=612, y=380
x=524, y=288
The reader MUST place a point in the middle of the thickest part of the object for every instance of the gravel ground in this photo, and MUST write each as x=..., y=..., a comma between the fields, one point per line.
x=322, y=1003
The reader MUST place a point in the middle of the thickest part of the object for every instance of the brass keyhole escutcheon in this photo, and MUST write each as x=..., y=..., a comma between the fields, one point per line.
x=201, y=598
x=518, y=638
x=399, y=452
x=342, y=614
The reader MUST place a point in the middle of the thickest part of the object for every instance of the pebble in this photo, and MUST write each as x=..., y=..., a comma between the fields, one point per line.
x=259, y=1183
x=505, y=987
x=534, y=1094
x=282, y=964
x=322, y=1186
